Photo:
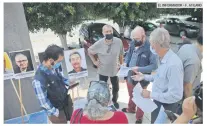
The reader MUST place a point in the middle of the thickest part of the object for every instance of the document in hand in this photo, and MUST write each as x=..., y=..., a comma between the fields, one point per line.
x=123, y=72
x=162, y=117
x=145, y=104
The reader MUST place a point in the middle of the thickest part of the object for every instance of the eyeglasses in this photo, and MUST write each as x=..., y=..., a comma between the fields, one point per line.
x=109, y=48
x=21, y=61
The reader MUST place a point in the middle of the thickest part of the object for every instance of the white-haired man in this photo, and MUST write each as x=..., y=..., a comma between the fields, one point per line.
x=22, y=63
x=167, y=89
x=141, y=59
x=110, y=53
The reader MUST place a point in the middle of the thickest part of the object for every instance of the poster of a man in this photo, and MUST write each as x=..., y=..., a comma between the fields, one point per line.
x=76, y=63
x=21, y=61
x=75, y=60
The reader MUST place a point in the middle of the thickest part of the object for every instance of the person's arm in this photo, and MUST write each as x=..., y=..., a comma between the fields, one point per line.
x=149, y=77
x=149, y=68
x=182, y=119
x=92, y=51
x=188, y=90
x=41, y=95
x=189, y=76
x=189, y=110
x=126, y=58
x=139, y=77
x=121, y=55
x=175, y=87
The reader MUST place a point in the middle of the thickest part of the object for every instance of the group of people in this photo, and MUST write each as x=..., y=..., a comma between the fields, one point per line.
x=175, y=78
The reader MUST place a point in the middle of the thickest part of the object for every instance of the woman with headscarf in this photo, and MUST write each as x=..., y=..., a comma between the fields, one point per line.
x=96, y=110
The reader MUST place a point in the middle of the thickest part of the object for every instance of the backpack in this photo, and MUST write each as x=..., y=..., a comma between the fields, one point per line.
x=55, y=87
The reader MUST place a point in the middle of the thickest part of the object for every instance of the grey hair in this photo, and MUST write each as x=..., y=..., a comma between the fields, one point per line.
x=95, y=110
x=20, y=54
x=98, y=100
x=160, y=36
x=138, y=28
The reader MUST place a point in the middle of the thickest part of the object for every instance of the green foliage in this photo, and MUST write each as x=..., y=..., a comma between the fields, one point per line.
x=62, y=17
x=59, y=17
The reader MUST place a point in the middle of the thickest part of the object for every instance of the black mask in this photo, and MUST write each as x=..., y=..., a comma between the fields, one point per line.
x=109, y=36
x=137, y=43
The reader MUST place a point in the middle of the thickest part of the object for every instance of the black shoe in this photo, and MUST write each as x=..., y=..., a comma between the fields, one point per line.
x=116, y=105
x=126, y=110
x=138, y=121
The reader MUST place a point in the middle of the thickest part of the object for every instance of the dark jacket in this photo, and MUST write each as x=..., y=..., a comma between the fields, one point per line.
x=146, y=60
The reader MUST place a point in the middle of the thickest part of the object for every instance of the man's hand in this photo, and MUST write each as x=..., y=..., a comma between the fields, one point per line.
x=97, y=63
x=146, y=93
x=135, y=69
x=189, y=107
x=138, y=77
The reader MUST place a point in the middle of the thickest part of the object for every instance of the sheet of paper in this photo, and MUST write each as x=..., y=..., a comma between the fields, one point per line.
x=123, y=72
x=146, y=104
x=162, y=117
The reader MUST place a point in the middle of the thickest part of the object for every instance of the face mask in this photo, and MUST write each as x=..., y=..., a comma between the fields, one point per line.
x=57, y=65
x=152, y=50
x=137, y=43
x=109, y=36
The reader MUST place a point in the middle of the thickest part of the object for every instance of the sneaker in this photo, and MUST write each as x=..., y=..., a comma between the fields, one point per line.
x=116, y=105
x=138, y=121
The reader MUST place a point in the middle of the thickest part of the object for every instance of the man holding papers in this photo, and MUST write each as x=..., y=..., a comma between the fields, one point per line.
x=167, y=87
x=139, y=58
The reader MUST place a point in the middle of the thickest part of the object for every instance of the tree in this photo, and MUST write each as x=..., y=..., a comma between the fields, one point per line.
x=59, y=17
x=125, y=14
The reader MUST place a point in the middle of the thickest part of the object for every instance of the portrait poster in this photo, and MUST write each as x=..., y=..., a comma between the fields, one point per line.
x=76, y=63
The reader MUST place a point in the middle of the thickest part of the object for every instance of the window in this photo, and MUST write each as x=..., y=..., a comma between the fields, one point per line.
x=149, y=26
x=194, y=19
x=169, y=21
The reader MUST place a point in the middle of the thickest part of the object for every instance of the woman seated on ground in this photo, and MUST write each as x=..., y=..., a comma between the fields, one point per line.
x=96, y=110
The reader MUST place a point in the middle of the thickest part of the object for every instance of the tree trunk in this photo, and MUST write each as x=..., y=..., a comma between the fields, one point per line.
x=122, y=29
x=65, y=46
x=63, y=41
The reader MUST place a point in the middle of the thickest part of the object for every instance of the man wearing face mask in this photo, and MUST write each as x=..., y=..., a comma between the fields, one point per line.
x=50, y=86
x=167, y=88
x=139, y=58
x=110, y=53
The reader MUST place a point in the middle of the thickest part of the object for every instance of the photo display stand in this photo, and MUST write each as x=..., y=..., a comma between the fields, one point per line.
x=19, y=95
x=19, y=57
x=75, y=59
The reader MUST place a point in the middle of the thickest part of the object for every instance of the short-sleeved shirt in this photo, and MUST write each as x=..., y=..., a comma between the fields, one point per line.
x=118, y=118
x=191, y=58
x=108, y=55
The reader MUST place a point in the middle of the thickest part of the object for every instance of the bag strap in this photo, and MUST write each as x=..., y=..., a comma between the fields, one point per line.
x=78, y=116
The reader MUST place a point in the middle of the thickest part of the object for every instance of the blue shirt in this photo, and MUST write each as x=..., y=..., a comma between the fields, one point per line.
x=168, y=81
x=42, y=95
